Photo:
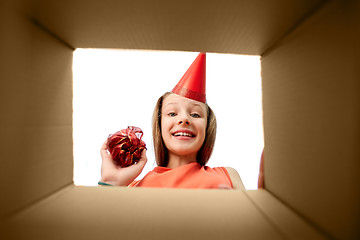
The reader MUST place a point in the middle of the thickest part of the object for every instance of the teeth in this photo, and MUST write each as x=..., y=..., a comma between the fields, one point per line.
x=182, y=134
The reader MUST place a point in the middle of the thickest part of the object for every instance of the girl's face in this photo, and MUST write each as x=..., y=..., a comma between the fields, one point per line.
x=183, y=125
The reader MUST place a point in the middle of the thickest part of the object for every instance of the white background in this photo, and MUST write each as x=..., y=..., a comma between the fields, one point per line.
x=114, y=89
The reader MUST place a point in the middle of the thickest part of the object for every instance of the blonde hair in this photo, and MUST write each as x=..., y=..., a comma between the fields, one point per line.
x=161, y=152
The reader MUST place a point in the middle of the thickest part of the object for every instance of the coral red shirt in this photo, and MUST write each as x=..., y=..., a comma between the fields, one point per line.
x=191, y=175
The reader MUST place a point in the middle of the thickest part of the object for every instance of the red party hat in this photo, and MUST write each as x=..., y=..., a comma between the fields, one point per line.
x=193, y=84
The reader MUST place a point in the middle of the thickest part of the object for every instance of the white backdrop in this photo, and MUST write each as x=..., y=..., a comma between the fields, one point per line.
x=114, y=89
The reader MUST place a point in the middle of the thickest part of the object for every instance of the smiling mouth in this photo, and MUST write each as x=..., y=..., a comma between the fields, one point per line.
x=185, y=134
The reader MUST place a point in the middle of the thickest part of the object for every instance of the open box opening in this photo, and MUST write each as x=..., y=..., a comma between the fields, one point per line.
x=117, y=88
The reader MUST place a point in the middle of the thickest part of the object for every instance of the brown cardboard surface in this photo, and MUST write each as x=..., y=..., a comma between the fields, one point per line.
x=235, y=26
x=311, y=101
x=141, y=213
x=36, y=110
x=311, y=116
x=287, y=221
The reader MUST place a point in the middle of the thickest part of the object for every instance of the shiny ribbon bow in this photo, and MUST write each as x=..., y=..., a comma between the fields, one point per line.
x=125, y=146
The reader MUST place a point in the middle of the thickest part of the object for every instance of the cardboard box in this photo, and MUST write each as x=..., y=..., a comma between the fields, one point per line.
x=311, y=103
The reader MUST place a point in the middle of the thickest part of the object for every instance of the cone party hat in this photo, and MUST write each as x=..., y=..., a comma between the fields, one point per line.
x=193, y=84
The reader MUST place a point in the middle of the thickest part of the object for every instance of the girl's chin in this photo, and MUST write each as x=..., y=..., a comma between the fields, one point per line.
x=184, y=151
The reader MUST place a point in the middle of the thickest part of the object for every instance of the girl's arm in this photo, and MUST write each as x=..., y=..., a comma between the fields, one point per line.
x=261, y=180
x=118, y=176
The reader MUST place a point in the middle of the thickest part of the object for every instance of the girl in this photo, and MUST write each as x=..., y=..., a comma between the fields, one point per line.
x=184, y=130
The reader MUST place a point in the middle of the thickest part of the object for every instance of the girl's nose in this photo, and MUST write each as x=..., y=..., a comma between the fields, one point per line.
x=184, y=121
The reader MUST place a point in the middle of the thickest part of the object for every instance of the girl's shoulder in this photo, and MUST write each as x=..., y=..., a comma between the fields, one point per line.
x=235, y=178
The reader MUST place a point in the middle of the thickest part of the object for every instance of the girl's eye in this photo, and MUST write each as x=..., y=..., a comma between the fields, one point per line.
x=172, y=114
x=195, y=115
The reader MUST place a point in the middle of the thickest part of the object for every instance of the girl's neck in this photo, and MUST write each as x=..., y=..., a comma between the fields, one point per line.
x=178, y=161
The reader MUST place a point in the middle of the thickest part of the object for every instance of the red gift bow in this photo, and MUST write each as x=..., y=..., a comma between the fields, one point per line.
x=125, y=146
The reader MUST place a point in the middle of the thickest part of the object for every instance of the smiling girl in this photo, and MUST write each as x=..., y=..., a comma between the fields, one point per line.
x=184, y=131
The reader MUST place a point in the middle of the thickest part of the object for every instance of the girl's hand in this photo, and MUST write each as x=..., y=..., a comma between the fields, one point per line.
x=118, y=176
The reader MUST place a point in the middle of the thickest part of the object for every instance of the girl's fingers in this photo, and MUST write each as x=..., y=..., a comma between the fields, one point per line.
x=105, y=155
x=104, y=146
x=143, y=158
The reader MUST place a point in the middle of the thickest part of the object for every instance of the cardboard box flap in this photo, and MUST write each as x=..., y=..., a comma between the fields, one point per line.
x=143, y=213
x=242, y=27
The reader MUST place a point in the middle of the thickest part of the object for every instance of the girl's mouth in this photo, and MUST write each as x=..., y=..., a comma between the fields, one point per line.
x=183, y=133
